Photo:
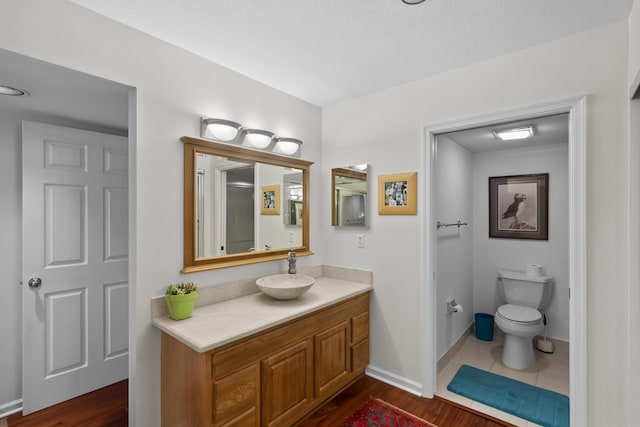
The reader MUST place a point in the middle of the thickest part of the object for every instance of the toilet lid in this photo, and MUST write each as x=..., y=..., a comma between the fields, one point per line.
x=518, y=313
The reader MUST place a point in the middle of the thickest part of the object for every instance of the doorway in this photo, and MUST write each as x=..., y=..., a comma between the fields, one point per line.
x=61, y=97
x=575, y=108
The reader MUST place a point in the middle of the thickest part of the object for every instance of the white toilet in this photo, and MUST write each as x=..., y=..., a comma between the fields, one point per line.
x=520, y=319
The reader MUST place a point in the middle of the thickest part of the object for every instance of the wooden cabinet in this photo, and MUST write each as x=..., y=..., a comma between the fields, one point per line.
x=287, y=384
x=333, y=364
x=273, y=378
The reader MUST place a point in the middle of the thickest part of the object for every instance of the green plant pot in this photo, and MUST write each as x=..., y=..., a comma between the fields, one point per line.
x=181, y=306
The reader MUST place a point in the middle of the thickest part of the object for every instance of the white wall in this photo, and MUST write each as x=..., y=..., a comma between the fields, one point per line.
x=174, y=88
x=11, y=247
x=386, y=130
x=10, y=256
x=454, y=257
x=634, y=41
x=634, y=214
x=491, y=254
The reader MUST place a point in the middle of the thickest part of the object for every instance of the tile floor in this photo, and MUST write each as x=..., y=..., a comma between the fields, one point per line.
x=551, y=371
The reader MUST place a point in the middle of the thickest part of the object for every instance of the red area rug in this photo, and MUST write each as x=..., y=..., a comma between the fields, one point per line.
x=377, y=413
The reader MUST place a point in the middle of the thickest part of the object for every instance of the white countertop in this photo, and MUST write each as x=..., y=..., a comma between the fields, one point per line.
x=214, y=325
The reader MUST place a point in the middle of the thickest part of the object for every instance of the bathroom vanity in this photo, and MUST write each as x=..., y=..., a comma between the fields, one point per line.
x=255, y=361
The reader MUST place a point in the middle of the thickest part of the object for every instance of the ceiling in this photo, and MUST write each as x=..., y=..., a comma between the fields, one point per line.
x=326, y=51
x=547, y=131
x=320, y=51
x=63, y=93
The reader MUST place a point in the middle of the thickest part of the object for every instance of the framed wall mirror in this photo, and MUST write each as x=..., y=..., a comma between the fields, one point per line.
x=230, y=212
x=349, y=196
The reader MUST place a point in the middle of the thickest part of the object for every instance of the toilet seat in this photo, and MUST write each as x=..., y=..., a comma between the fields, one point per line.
x=519, y=314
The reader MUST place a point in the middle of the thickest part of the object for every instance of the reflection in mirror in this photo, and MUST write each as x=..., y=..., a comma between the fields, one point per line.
x=225, y=216
x=349, y=196
x=226, y=223
x=292, y=197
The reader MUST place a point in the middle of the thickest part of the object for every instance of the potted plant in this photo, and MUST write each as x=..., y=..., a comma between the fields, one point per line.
x=181, y=297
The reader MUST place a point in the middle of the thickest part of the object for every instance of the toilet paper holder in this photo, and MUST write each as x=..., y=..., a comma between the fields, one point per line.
x=453, y=306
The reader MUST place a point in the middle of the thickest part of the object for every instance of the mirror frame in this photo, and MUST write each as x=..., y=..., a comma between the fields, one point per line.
x=192, y=146
x=348, y=173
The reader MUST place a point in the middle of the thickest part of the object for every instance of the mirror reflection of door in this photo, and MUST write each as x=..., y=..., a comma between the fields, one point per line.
x=350, y=209
x=240, y=212
x=225, y=221
x=292, y=196
x=200, y=212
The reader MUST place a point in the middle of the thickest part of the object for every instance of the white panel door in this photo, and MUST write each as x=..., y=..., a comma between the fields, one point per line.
x=74, y=263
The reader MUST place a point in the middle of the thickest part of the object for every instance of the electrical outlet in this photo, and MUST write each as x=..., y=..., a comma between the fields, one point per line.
x=291, y=237
x=360, y=240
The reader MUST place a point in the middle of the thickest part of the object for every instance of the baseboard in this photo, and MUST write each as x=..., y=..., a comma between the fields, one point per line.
x=394, y=380
x=453, y=350
x=10, y=408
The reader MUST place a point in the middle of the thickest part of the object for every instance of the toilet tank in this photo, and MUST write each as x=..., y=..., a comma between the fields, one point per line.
x=522, y=289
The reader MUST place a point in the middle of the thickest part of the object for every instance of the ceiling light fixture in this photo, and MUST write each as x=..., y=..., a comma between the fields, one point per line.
x=513, y=134
x=228, y=131
x=412, y=1
x=12, y=91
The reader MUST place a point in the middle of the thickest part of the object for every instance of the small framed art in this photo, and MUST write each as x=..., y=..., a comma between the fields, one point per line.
x=270, y=200
x=397, y=194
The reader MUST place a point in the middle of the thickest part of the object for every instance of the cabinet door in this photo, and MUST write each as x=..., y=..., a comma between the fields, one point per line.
x=235, y=398
x=332, y=361
x=287, y=389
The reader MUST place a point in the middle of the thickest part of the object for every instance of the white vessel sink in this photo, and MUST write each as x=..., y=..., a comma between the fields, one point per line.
x=285, y=286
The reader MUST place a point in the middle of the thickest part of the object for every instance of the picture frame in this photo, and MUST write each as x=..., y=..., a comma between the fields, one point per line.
x=397, y=194
x=270, y=200
x=518, y=207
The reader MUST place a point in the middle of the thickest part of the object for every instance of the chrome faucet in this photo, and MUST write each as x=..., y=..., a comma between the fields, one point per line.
x=291, y=257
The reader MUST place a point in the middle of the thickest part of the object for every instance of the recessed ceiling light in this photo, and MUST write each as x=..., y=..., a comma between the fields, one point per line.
x=12, y=91
x=511, y=134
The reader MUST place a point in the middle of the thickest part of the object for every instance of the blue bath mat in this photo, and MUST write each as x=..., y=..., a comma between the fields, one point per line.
x=544, y=407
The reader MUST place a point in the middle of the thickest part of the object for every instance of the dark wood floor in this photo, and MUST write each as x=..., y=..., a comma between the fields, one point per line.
x=438, y=411
x=107, y=407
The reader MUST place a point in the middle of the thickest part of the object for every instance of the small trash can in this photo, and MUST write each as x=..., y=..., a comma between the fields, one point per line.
x=484, y=326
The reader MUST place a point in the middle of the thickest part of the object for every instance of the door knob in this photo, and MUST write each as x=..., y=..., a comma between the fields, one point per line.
x=34, y=282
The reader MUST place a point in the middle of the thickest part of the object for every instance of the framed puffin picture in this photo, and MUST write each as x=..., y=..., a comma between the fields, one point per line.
x=518, y=206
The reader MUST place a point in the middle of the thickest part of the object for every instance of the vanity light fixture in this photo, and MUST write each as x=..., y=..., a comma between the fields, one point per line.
x=287, y=146
x=220, y=129
x=12, y=91
x=258, y=138
x=513, y=134
x=228, y=131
